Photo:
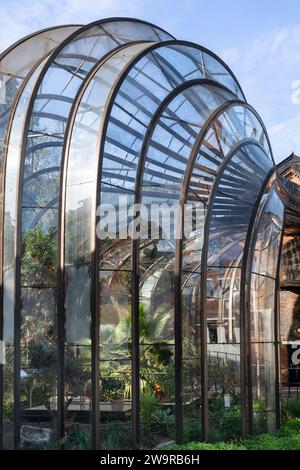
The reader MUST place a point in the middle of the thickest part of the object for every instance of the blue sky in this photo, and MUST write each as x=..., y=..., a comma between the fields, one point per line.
x=259, y=39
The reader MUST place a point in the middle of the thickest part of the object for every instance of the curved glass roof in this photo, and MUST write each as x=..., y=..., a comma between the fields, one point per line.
x=118, y=113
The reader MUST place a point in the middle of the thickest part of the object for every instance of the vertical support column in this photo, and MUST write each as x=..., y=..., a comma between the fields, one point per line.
x=95, y=332
x=245, y=309
x=17, y=299
x=60, y=351
x=135, y=347
x=178, y=327
x=277, y=334
x=203, y=313
x=1, y=364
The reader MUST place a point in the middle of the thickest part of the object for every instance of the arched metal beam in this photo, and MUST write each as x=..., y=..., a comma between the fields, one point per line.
x=60, y=330
x=7, y=57
x=61, y=242
x=2, y=211
x=204, y=255
x=135, y=247
x=130, y=66
x=178, y=262
x=246, y=297
x=19, y=215
x=30, y=36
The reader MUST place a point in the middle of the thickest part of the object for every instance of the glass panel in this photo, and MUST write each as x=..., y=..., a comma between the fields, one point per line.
x=157, y=378
x=42, y=162
x=263, y=291
x=170, y=147
x=115, y=358
x=232, y=205
x=262, y=308
x=16, y=64
x=133, y=108
x=265, y=256
x=81, y=200
x=263, y=387
x=38, y=366
x=229, y=128
x=146, y=85
x=191, y=364
x=11, y=178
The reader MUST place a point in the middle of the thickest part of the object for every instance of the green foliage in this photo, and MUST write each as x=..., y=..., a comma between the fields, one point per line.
x=79, y=438
x=225, y=423
x=39, y=257
x=155, y=353
x=163, y=415
x=291, y=408
x=156, y=420
x=153, y=335
x=221, y=375
x=274, y=441
x=117, y=436
x=206, y=446
x=291, y=427
x=50, y=445
x=111, y=388
x=8, y=379
x=148, y=405
x=287, y=438
x=191, y=429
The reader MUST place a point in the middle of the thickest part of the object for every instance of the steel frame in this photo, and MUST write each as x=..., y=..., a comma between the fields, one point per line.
x=246, y=413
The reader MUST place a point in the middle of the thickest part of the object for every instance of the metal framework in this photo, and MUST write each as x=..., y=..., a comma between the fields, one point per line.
x=124, y=343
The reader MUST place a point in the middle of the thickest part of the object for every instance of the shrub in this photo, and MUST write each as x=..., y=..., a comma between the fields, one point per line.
x=117, y=436
x=291, y=408
x=148, y=405
x=286, y=438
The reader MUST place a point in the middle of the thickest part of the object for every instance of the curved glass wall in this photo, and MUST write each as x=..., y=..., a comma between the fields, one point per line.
x=9, y=252
x=263, y=292
x=222, y=254
x=147, y=82
x=15, y=65
x=79, y=235
x=17, y=61
x=51, y=106
x=121, y=331
x=171, y=142
x=231, y=208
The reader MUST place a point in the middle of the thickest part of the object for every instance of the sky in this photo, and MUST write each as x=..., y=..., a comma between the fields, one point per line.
x=259, y=40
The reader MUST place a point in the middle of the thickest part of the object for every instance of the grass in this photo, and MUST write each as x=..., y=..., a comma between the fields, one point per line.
x=287, y=438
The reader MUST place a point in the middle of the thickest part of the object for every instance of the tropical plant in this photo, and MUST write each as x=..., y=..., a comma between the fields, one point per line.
x=148, y=405
x=153, y=329
x=39, y=257
x=155, y=351
x=111, y=388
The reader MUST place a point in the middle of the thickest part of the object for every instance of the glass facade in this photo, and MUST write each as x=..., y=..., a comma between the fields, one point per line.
x=123, y=334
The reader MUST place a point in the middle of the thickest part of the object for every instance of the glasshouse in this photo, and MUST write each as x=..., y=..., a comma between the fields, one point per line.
x=123, y=341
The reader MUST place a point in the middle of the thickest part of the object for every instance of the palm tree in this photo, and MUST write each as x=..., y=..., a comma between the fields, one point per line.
x=155, y=340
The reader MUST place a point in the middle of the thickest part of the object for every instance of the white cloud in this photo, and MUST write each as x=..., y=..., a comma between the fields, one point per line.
x=285, y=135
x=267, y=69
x=17, y=18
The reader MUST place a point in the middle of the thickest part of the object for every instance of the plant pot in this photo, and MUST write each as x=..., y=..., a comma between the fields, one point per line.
x=117, y=405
